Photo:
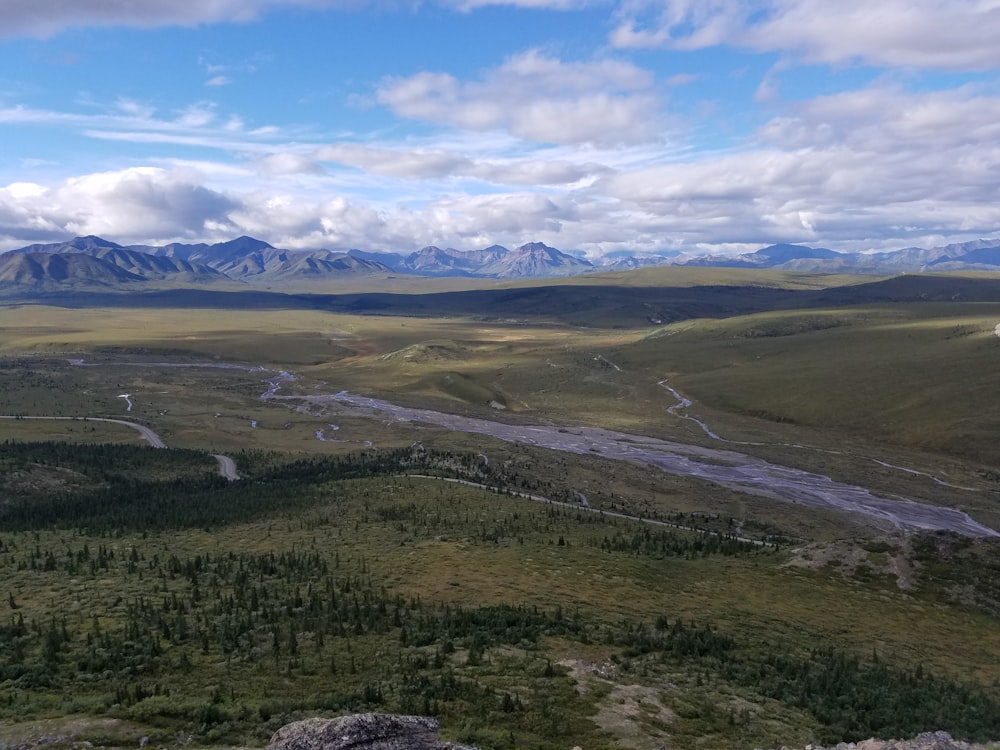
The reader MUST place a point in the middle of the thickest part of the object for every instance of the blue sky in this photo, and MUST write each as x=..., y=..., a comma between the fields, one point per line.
x=596, y=127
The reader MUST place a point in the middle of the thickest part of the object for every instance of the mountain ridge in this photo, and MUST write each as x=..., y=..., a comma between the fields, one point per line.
x=247, y=260
x=41, y=270
x=250, y=260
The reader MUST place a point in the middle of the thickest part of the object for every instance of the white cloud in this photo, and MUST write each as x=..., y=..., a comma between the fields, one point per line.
x=413, y=164
x=682, y=79
x=288, y=164
x=198, y=124
x=684, y=24
x=20, y=221
x=218, y=81
x=513, y=213
x=24, y=191
x=133, y=203
x=21, y=115
x=947, y=34
x=538, y=172
x=135, y=109
x=437, y=164
x=537, y=98
x=46, y=17
x=197, y=115
x=467, y=5
x=337, y=222
x=876, y=165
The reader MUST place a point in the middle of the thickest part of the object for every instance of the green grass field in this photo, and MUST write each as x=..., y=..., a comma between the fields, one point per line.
x=155, y=623
x=866, y=390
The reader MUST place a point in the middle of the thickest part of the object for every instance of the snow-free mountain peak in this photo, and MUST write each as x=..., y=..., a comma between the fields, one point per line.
x=250, y=260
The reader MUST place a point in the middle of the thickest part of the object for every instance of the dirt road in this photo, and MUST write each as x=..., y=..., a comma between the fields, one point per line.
x=227, y=467
x=147, y=434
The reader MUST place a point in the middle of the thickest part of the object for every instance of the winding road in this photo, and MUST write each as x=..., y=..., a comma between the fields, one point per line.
x=147, y=434
x=227, y=467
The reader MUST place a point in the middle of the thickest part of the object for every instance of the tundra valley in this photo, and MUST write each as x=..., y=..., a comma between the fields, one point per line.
x=679, y=506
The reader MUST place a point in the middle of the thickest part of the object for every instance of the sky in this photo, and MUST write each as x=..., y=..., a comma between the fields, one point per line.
x=600, y=127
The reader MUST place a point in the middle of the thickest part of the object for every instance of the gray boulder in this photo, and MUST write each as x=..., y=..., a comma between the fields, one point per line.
x=925, y=741
x=361, y=732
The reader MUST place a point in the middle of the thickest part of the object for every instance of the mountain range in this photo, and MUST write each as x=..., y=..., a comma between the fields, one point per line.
x=977, y=255
x=96, y=262
x=534, y=259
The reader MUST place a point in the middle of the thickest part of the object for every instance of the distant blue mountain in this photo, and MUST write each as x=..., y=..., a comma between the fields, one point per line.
x=77, y=244
x=983, y=256
x=247, y=259
x=783, y=253
x=392, y=261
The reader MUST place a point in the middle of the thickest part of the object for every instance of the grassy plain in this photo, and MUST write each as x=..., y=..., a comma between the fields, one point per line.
x=431, y=548
x=867, y=391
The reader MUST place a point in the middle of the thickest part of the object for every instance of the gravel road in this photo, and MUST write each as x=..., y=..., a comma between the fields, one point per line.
x=148, y=435
x=227, y=467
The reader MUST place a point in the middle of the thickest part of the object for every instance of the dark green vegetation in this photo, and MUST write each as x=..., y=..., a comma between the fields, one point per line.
x=186, y=604
x=28, y=483
x=631, y=300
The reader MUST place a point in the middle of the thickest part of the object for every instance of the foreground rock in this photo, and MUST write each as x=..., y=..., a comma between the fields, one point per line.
x=362, y=732
x=925, y=741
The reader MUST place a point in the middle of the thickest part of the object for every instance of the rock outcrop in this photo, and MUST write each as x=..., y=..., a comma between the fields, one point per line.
x=362, y=732
x=925, y=741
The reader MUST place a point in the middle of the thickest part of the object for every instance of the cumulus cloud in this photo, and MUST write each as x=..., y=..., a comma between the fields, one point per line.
x=946, y=34
x=877, y=167
x=537, y=98
x=495, y=214
x=874, y=167
x=867, y=165
x=133, y=203
x=157, y=205
x=333, y=222
x=888, y=119
x=20, y=220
